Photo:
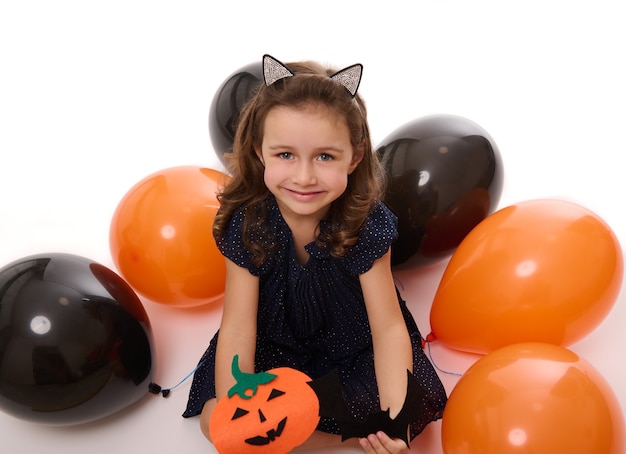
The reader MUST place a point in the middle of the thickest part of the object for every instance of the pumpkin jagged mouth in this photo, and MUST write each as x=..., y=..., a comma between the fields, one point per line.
x=272, y=434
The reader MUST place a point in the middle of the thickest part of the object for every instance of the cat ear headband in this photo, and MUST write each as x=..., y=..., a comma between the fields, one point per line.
x=349, y=77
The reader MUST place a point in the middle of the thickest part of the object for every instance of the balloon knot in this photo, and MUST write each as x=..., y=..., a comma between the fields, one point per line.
x=156, y=389
x=431, y=338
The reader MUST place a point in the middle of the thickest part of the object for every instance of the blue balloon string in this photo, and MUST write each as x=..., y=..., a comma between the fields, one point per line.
x=166, y=391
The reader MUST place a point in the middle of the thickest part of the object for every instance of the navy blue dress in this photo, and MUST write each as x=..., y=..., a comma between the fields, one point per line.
x=312, y=317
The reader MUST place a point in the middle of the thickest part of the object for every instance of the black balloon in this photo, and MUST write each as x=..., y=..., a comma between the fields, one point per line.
x=75, y=341
x=226, y=105
x=444, y=176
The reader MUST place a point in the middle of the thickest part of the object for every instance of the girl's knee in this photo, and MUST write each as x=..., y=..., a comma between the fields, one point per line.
x=205, y=416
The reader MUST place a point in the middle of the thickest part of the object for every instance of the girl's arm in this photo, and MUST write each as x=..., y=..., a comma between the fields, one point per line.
x=393, y=354
x=237, y=335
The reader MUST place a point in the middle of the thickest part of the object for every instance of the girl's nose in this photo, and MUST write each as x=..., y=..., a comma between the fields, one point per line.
x=304, y=174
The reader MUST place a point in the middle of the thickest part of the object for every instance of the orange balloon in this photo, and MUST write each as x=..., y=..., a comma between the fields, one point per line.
x=541, y=270
x=161, y=237
x=532, y=398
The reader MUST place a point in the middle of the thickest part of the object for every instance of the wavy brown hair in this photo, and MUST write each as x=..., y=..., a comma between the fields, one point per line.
x=311, y=85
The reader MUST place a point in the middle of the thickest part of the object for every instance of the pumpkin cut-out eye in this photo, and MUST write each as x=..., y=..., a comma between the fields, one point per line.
x=239, y=412
x=275, y=393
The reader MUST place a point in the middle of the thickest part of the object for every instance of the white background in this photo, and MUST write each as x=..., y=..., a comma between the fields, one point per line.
x=94, y=96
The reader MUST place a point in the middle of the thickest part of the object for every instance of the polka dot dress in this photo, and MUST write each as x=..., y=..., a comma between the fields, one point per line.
x=312, y=317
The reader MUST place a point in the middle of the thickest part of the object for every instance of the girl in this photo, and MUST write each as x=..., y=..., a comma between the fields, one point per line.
x=307, y=245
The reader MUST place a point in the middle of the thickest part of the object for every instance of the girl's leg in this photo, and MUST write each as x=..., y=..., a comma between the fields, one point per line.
x=319, y=440
x=205, y=416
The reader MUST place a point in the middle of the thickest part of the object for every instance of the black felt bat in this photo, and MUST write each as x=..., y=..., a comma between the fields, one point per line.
x=333, y=405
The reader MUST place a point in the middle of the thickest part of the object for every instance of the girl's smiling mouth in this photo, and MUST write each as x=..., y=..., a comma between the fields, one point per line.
x=303, y=195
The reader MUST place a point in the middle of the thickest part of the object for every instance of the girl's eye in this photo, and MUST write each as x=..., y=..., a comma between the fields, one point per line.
x=285, y=155
x=325, y=157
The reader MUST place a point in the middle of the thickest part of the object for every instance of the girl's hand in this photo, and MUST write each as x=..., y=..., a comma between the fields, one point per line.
x=380, y=443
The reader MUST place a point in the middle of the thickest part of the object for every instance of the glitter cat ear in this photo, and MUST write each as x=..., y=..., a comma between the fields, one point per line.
x=349, y=77
x=274, y=70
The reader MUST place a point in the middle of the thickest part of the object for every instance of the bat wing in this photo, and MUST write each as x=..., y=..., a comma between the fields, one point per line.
x=332, y=404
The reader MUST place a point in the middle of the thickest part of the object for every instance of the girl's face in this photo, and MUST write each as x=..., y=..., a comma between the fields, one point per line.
x=307, y=156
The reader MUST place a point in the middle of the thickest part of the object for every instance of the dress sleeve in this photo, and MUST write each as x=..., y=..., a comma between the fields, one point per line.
x=378, y=233
x=232, y=247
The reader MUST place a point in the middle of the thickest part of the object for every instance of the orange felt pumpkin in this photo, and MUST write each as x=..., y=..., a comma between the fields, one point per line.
x=267, y=412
